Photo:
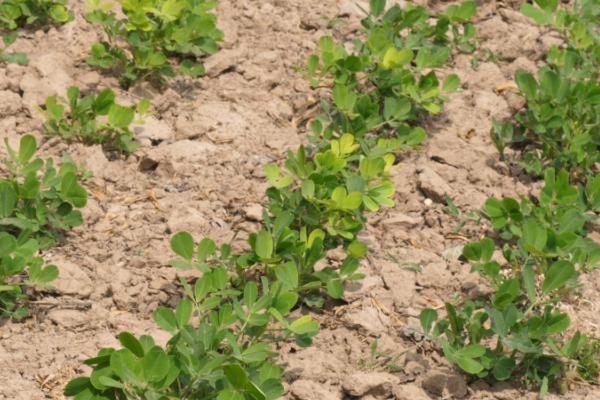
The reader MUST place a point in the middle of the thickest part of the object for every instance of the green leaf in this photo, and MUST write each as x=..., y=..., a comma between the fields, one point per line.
x=238, y=378
x=8, y=199
x=110, y=382
x=8, y=244
x=304, y=325
x=540, y=16
x=503, y=368
x=206, y=249
x=527, y=83
x=192, y=69
x=182, y=244
x=43, y=276
x=462, y=12
x=104, y=101
x=27, y=149
x=428, y=317
x=469, y=365
x=472, y=351
x=250, y=294
x=507, y=292
x=335, y=289
x=558, y=275
x=287, y=274
x=120, y=116
x=558, y=323
x=377, y=7
x=166, y=319
x=183, y=312
x=125, y=365
x=230, y=394
x=394, y=58
x=479, y=251
x=529, y=282
x=534, y=236
x=344, y=98
x=451, y=83
x=263, y=246
x=131, y=343
x=357, y=249
x=155, y=364
x=9, y=38
x=72, y=191
x=60, y=14
x=15, y=58
x=77, y=385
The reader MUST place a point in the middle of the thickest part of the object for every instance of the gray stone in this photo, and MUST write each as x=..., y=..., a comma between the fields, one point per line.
x=72, y=280
x=445, y=384
x=68, y=318
x=433, y=185
x=369, y=383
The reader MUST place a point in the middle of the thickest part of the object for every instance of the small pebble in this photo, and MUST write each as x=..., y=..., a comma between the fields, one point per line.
x=428, y=202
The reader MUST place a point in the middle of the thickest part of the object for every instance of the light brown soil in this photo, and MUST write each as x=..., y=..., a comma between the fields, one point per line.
x=200, y=170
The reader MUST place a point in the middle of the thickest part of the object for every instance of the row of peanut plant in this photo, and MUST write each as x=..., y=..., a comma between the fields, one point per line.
x=17, y=14
x=560, y=124
x=38, y=202
x=223, y=330
x=145, y=40
x=37, y=199
x=539, y=248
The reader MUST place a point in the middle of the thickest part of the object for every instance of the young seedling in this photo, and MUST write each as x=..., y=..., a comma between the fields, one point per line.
x=94, y=119
x=154, y=39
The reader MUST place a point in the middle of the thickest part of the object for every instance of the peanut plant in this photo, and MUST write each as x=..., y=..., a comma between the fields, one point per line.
x=388, y=81
x=20, y=268
x=20, y=13
x=220, y=346
x=37, y=202
x=518, y=331
x=560, y=124
x=38, y=199
x=153, y=39
x=94, y=119
x=223, y=329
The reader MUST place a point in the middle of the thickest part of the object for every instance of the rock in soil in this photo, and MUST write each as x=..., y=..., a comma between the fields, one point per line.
x=445, y=384
x=378, y=384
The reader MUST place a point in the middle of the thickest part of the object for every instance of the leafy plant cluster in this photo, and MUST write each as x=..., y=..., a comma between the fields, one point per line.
x=518, y=331
x=20, y=13
x=94, y=119
x=388, y=80
x=37, y=202
x=223, y=329
x=146, y=38
x=560, y=124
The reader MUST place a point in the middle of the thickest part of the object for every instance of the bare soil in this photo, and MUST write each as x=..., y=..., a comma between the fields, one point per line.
x=200, y=170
